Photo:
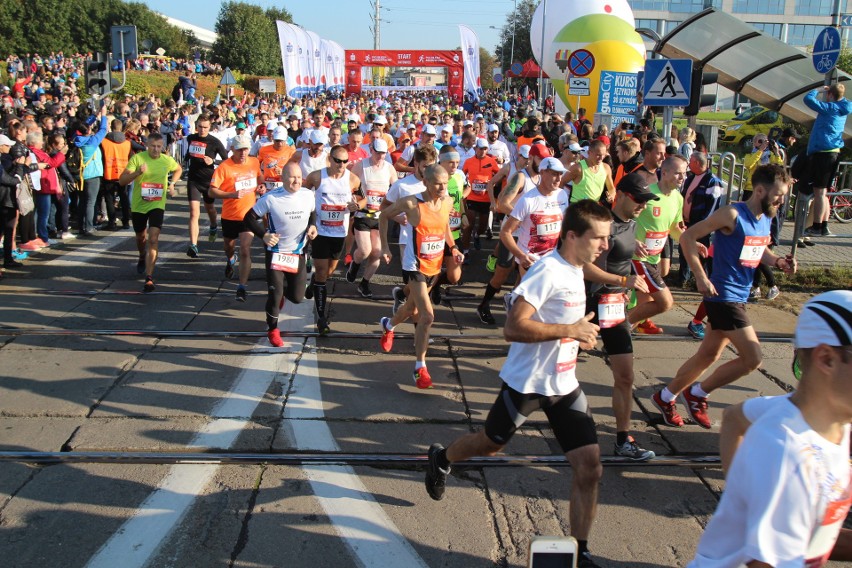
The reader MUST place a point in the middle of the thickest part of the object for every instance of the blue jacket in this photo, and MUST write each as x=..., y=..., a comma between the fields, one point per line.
x=91, y=147
x=827, y=132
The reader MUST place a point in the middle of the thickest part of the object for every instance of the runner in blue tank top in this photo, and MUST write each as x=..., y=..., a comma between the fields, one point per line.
x=740, y=239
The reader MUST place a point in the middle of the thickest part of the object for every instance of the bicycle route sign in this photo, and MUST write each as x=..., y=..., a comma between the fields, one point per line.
x=826, y=50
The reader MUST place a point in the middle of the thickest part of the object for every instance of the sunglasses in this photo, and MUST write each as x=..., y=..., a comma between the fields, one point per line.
x=340, y=160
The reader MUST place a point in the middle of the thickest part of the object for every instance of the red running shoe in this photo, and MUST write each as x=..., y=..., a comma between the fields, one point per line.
x=697, y=407
x=669, y=412
x=422, y=378
x=275, y=337
x=387, y=336
x=649, y=328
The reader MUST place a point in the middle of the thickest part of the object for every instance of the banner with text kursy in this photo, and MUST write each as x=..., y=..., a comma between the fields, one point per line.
x=617, y=96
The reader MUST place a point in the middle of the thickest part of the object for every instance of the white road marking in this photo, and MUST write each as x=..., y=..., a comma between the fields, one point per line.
x=361, y=522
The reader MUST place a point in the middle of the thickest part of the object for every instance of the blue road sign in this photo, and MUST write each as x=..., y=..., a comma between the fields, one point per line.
x=846, y=20
x=498, y=78
x=517, y=68
x=826, y=50
x=581, y=62
x=667, y=82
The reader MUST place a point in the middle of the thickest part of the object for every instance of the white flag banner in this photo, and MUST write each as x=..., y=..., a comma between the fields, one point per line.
x=327, y=56
x=316, y=64
x=289, y=42
x=470, y=57
x=339, y=65
x=302, y=49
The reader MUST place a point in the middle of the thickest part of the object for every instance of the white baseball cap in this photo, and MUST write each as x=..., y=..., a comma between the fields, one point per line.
x=467, y=123
x=380, y=120
x=574, y=147
x=241, y=143
x=429, y=129
x=6, y=141
x=447, y=128
x=280, y=133
x=552, y=164
x=318, y=137
x=524, y=151
x=380, y=145
x=493, y=128
x=481, y=143
x=825, y=319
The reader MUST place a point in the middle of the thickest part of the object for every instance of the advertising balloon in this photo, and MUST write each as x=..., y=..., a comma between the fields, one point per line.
x=605, y=69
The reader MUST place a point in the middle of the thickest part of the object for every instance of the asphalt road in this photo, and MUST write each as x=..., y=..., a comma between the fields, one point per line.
x=160, y=392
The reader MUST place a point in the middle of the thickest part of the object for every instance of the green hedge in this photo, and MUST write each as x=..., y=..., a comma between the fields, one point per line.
x=160, y=83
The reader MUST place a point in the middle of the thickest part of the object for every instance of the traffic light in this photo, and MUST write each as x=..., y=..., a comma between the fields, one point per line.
x=97, y=75
x=696, y=98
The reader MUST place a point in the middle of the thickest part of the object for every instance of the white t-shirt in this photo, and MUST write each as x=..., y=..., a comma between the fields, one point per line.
x=465, y=154
x=498, y=149
x=288, y=216
x=786, y=497
x=555, y=288
x=541, y=220
x=402, y=188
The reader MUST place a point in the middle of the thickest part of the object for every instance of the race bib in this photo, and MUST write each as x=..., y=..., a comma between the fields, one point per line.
x=332, y=215
x=455, y=220
x=197, y=149
x=752, y=252
x=245, y=185
x=547, y=225
x=431, y=246
x=285, y=262
x=655, y=241
x=151, y=191
x=610, y=310
x=544, y=233
x=479, y=187
x=566, y=359
x=270, y=185
x=374, y=199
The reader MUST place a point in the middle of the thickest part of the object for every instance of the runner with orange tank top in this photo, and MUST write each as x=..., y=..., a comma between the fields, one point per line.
x=429, y=240
x=479, y=169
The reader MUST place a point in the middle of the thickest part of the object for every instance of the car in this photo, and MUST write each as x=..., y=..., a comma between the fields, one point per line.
x=741, y=129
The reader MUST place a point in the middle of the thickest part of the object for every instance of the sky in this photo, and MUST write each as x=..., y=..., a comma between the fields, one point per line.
x=426, y=25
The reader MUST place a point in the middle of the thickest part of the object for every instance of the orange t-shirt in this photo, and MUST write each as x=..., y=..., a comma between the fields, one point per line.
x=479, y=173
x=231, y=177
x=272, y=162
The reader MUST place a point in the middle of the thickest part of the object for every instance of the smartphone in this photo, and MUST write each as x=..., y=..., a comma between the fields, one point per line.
x=553, y=552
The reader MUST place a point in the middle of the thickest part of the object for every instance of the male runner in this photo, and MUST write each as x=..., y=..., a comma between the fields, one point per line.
x=653, y=227
x=149, y=171
x=496, y=147
x=547, y=326
x=591, y=176
x=237, y=181
x=457, y=189
x=338, y=194
x=290, y=223
x=479, y=170
x=608, y=280
x=314, y=156
x=429, y=240
x=202, y=150
x=274, y=157
x=787, y=492
x=740, y=242
x=376, y=176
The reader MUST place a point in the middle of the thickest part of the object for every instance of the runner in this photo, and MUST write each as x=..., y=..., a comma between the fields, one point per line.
x=547, y=326
x=608, y=280
x=149, y=172
x=457, y=189
x=787, y=490
x=237, y=181
x=376, y=176
x=591, y=176
x=313, y=156
x=479, y=170
x=288, y=212
x=406, y=161
x=496, y=147
x=537, y=216
x=429, y=241
x=653, y=227
x=338, y=194
x=740, y=241
x=202, y=151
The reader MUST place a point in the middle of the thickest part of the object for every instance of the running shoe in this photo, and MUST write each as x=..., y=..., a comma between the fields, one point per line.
x=484, y=313
x=241, y=294
x=648, y=327
x=807, y=242
x=812, y=232
x=229, y=268
x=435, y=295
x=584, y=560
x=140, y=265
x=491, y=263
x=350, y=276
x=322, y=327
x=67, y=236
x=422, y=378
x=31, y=246
x=149, y=285
x=211, y=234
x=696, y=330
x=773, y=293
x=631, y=450
x=436, y=476
x=309, y=290
x=364, y=289
x=274, y=336
x=398, y=298
x=827, y=233
x=386, y=341
x=192, y=251
x=19, y=254
x=754, y=294
x=668, y=410
x=697, y=407
x=488, y=234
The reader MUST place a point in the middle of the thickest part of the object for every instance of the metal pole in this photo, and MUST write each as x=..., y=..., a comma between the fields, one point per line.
x=541, y=63
x=668, y=117
x=512, y=55
x=377, y=37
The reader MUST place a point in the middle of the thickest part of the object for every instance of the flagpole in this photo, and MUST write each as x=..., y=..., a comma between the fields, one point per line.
x=541, y=63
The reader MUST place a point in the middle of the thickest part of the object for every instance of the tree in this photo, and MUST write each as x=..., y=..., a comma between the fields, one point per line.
x=518, y=22
x=248, y=39
x=486, y=68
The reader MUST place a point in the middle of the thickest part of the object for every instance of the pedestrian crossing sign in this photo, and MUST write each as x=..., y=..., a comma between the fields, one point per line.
x=667, y=82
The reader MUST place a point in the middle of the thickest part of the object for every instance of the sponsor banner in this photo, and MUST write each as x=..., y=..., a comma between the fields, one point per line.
x=409, y=58
x=470, y=55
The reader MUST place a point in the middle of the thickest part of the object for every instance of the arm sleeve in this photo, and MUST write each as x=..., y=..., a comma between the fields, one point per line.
x=252, y=221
